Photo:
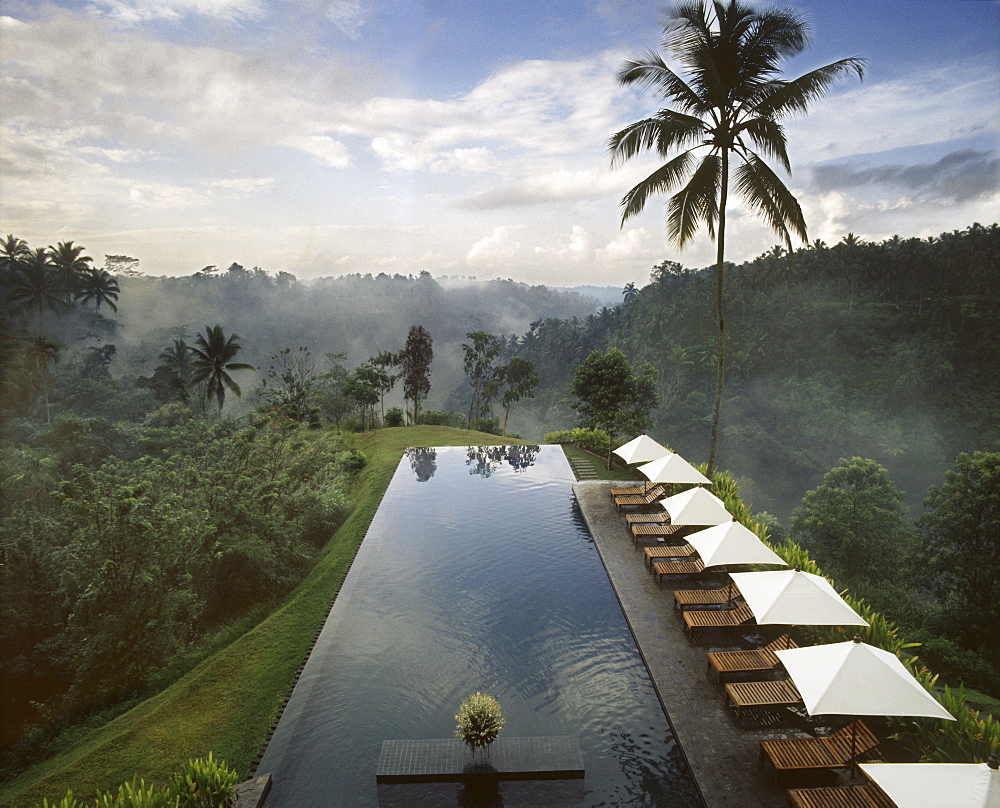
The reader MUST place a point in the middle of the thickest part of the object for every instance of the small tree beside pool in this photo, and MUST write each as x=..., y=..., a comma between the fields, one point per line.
x=480, y=720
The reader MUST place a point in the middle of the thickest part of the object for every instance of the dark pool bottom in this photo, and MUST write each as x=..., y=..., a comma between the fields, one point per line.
x=477, y=574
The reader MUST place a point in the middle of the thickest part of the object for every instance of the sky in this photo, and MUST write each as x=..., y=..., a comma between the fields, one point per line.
x=461, y=137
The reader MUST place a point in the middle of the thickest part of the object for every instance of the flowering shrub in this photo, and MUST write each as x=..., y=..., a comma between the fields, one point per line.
x=480, y=720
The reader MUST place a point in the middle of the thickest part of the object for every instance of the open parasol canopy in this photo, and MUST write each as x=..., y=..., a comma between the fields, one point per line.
x=696, y=506
x=672, y=468
x=732, y=543
x=853, y=678
x=795, y=598
x=641, y=450
x=937, y=785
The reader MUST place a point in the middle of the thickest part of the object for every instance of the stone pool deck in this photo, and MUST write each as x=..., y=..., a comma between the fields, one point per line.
x=723, y=756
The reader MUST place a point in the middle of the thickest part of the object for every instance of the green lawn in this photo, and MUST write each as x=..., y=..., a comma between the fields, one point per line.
x=600, y=465
x=227, y=703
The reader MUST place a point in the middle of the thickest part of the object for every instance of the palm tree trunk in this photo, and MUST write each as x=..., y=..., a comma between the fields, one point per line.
x=720, y=351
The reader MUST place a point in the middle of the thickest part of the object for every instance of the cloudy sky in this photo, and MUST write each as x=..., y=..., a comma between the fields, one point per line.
x=463, y=137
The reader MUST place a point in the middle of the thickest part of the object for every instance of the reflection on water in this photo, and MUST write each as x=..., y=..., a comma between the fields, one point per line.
x=465, y=582
x=423, y=461
x=484, y=460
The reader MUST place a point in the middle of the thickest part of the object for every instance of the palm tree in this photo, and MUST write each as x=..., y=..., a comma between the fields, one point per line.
x=72, y=265
x=213, y=361
x=100, y=286
x=39, y=354
x=34, y=285
x=13, y=251
x=177, y=360
x=728, y=107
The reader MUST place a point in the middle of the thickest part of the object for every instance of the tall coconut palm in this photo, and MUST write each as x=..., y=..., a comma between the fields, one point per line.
x=213, y=361
x=728, y=107
x=13, y=251
x=100, y=286
x=71, y=265
x=34, y=284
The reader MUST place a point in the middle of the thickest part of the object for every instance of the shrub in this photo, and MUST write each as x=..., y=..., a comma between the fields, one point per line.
x=480, y=720
x=200, y=783
x=442, y=418
x=591, y=440
x=394, y=416
x=351, y=461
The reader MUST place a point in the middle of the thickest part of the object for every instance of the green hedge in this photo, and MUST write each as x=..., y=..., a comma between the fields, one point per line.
x=592, y=440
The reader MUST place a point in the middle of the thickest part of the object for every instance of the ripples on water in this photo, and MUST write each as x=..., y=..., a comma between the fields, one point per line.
x=477, y=573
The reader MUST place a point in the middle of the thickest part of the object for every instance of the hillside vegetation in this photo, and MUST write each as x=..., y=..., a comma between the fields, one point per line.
x=227, y=703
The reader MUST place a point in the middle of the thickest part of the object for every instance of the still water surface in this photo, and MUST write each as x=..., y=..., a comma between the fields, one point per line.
x=477, y=574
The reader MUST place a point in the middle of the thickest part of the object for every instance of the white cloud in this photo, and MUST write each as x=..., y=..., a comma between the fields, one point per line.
x=634, y=243
x=329, y=152
x=135, y=11
x=497, y=247
x=576, y=248
x=247, y=185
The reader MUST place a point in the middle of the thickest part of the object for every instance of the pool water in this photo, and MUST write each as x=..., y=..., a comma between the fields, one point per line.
x=477, y=574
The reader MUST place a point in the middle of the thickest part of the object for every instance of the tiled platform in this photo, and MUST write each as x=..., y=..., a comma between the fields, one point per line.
x=507, y=759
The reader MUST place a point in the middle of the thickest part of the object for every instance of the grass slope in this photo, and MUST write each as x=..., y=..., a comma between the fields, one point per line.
x=227, y=703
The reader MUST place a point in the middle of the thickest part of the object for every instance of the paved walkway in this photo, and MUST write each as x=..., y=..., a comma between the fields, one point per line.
x=723, y=756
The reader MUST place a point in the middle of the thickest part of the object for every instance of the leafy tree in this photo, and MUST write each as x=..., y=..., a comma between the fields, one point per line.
x=213, y=361
x=363, y=386
x=729, y=106
x=415, y=363
x=295, y=383
x=855, y=522
x=382, y=362
x=958, y=548
x=100, y=286
x=122, y=266
x=479, y=363
x=518, y=380
x=613, y=397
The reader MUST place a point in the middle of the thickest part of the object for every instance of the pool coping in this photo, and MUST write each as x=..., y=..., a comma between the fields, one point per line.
x=722, y=756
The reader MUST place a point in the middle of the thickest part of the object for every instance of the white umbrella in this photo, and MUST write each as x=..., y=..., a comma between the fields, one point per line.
x=794, y=598
x=641, y=450
x=672, y=468
x=853, y=678
x=732, y=543
x=696, y=506
x=937, y=785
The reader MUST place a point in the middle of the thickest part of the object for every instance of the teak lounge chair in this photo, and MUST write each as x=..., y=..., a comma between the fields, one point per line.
x=656, y=532
x=866, y=796
x=705, y=597
x=831, y=752
x=662, y=569
x=654, y=493
x=660, y=518
x=656, y=551
x=758, y=659
x=716, y=618
x=779, y=693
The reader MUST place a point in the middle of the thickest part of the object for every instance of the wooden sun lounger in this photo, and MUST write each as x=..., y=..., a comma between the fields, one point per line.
x=866, y=796
x=716, y=618
x=656, y=551
x=831, y=752
x=705, y=597
x=661, y=569
x=758, y=659
x=630, y=491
x=654, y=493
x=660, y=518
x=655, y=532
x=780, y=693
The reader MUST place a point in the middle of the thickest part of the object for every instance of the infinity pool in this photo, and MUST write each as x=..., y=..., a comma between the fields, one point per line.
x=477, y=574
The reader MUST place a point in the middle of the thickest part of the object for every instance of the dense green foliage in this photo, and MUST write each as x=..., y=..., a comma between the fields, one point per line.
x=123, y=547
x=885, y=351
x=855, y=523
x=200, y=783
